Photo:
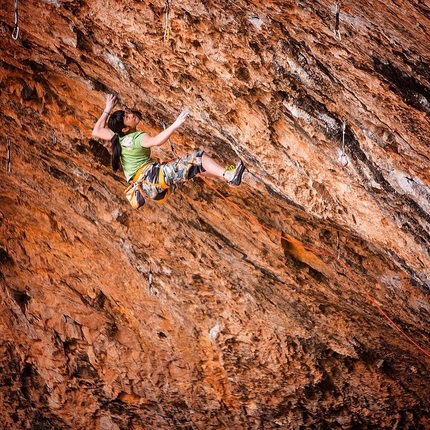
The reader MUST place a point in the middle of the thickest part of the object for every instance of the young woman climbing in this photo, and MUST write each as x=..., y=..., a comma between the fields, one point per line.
x=132, y=149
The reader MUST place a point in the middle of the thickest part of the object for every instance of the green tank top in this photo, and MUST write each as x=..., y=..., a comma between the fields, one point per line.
x=133, y=155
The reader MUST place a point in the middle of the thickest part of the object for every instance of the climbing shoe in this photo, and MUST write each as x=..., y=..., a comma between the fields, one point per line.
x=237, y=178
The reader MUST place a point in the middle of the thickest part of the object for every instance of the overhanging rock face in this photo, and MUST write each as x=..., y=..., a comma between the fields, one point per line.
x=299, y=299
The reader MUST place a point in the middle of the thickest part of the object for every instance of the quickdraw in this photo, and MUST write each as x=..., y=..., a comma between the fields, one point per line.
x=8, y=163
x=170, y=142
x=166, y=25
x=336, y=32
x=15, y=33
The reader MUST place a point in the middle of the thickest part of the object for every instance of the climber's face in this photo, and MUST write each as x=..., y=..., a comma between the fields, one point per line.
x=131, y=119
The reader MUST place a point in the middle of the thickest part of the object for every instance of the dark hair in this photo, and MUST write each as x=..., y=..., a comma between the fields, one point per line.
x=116, y=124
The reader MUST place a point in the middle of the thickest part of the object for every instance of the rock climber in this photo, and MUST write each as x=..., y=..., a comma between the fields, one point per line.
x=131, y=149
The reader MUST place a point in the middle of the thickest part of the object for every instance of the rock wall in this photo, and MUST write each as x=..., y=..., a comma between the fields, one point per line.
x=298, y=300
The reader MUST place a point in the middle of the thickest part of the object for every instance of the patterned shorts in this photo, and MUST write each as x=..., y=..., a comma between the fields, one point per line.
x=176, y=172
x=182, y=169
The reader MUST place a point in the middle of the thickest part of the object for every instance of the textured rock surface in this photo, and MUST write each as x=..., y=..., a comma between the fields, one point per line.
x=191, y=315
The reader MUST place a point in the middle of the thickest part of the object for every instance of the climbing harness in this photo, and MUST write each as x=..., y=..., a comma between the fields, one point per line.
x=135, y=193
x=336, y=32
x=343, y=158
x=8, y=163
x=15, y=32
x=326, y=254
x=166, y=25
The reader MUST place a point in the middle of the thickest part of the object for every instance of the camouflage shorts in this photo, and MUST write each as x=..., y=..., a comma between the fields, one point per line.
x=182, y=169
x=175, y=172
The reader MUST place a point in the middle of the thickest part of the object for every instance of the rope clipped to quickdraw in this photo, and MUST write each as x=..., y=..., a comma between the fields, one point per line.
x=15, y=33
x=343, y=158
x=336, y=32
x=8, y=163
x=326, y=254
x=150, y=279
x=166, y=25
x=170, y=142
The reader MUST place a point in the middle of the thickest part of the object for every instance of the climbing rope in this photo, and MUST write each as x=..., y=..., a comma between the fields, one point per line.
x=15, y=32
x=326, y=254
x=172, y=148
x=336, y=32
x=166, y=25
x=8, y=163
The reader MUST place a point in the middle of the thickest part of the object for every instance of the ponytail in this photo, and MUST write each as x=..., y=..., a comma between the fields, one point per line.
x=116, y=152
x=116, y=124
